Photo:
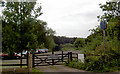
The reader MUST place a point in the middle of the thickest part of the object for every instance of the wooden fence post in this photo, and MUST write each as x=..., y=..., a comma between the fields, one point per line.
x=27, y=59
x=77, y=56
x=21, y=60
x=85, y=57
x=104, y=40
x=52, y=59
x=62, y=56
x=70, y=56
x=52, y=51
x=33, y=59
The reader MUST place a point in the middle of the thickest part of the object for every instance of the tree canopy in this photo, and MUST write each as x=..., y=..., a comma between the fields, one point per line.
x=21, y=30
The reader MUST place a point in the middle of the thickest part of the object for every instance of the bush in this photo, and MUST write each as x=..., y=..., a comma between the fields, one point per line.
x=103, y=63
x=76, y=64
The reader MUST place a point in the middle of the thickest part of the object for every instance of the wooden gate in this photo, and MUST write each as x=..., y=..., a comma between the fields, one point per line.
x=52, y=59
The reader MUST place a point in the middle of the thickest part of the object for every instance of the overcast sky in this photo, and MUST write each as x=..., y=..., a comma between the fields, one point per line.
x=71, y=18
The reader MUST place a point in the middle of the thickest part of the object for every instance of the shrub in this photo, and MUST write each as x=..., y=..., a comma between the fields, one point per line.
x=102, y=63
x=76, y=64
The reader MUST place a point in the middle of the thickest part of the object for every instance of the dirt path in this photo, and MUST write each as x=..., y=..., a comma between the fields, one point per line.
x=57, y=68
x=61, y=69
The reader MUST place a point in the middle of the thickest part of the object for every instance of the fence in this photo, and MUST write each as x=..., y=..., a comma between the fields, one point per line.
x=45, y=59
x=16, y=59
x=53, y=59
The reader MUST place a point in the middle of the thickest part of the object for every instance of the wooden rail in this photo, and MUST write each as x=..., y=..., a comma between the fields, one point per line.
x=17, y=60
x=40, y=59
x=13, y=64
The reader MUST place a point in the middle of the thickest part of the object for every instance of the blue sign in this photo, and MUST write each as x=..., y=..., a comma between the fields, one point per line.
x=103, y=25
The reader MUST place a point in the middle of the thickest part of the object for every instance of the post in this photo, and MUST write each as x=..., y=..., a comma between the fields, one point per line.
x=52, y=59
x=104, y=40
x=33, y=59
x=62, y=56
x=85, y=56
x=27, y=59
x=52, y=52
x=30, y=62
x=21, y=60
x=77, y=56
x=70, y=56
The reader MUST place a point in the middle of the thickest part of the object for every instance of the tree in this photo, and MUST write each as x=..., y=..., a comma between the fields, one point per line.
x=63, y=40
x=21, y=28
x=80, y=42
x=111, y=10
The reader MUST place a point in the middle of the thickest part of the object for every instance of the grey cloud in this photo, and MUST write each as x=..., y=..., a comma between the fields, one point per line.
x=86, y=16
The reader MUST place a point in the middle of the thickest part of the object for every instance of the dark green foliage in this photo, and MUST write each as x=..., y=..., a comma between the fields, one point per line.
x=64, y=43
x=113, y=10
x=76, y=64
x=57, y=48
x=63, y=40
x=104, y=63
x=21, y=30
x=79, y=42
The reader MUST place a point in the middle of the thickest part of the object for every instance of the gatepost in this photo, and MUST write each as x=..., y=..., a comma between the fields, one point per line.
x=53, y=59
x=70, y=56
x=30, y=62
x=62, y=56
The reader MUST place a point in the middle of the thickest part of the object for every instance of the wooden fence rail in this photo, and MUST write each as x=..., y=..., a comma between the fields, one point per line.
x=17, y=59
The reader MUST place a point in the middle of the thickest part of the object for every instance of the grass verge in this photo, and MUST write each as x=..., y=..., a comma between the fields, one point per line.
x=36, y=71
x=92, y=67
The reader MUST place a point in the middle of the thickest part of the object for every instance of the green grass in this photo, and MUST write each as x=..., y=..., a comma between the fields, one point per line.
x=35, y=70
x=67, y=46
x=21, y=70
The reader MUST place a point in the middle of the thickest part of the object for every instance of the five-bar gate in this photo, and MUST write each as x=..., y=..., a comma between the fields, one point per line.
x=53, y=59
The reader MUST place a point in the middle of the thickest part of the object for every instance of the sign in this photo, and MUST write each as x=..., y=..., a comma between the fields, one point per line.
x=81, y=57
x=103, y=25
x=53, y=57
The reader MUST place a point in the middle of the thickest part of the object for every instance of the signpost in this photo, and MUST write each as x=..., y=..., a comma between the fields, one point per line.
x=103, y=26
x=81, y=57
